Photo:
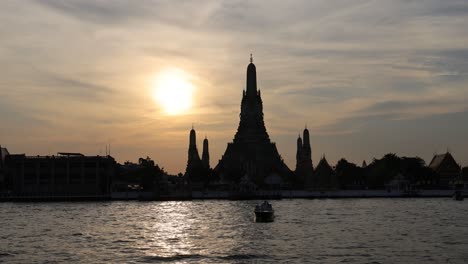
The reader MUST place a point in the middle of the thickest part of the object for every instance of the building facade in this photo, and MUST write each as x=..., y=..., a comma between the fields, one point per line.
x=3, y=153
x=64, y=175
x=446, y=169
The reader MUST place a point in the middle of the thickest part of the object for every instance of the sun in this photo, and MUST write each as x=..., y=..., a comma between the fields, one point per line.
x=173, y=90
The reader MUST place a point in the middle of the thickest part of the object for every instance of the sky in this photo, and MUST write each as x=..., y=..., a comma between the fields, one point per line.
x=366, y=77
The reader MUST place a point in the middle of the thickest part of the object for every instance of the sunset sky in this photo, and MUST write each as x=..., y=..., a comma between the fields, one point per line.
x=367, y=77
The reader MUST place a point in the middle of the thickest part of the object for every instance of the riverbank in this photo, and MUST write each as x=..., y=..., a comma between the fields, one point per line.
x=227, y=195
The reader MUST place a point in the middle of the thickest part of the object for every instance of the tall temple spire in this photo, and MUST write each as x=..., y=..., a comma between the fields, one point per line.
x=299, y=153
x=205, y=154
x=307, y=151
x=304, y=167
x=193, y=156
x=251, y=125
x=195, y=170
x=193, y=137
x=251, y=153
x=251, y=78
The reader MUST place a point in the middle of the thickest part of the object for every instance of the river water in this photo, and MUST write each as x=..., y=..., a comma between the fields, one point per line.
x=304, y=231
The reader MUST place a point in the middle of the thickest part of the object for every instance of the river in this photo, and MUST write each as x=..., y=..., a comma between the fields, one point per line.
x=217, y=231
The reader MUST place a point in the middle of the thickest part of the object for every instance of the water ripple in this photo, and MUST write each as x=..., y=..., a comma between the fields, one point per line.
x=313, y=231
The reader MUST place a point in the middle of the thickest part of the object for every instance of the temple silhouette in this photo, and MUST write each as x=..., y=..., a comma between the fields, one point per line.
x=250, y=167
x=304, y=166
x=252, y=158
x=197, y=170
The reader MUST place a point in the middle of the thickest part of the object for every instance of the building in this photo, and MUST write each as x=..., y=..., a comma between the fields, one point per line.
x=304, y=166
x=446, y=168
x=398, y=183
x=197, y=170
x=205, y=154
x=65, y=175
x=251, y=156
x=364, y=164
x=3, y=153
x=324, y=177
x=465, y=176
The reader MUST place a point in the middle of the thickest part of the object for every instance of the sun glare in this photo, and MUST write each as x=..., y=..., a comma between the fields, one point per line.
x=173, y=91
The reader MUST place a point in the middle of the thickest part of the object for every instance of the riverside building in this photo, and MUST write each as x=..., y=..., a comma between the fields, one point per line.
x=67, y=175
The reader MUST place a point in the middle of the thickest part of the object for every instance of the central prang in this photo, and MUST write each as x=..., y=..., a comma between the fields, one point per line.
x=252, y=157
x=251, y=125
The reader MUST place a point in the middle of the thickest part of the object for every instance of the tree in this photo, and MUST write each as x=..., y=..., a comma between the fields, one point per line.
x=414, y=169
x=149, y=174
x=349, y=174
x=148, y=162
x=380, y=172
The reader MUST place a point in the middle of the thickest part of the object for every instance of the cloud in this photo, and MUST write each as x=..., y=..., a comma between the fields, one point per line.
x=102, y=12
x=81, y=68
x=76, y=88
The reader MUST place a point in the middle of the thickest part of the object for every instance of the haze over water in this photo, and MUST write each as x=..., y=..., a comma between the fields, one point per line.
x=305, y=231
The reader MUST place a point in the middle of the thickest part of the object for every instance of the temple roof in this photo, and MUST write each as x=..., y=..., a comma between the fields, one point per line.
x=438, y=160
x=323, y=163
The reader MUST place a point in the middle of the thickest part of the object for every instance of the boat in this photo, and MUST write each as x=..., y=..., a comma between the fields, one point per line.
x=264, y=212
x=458, y=195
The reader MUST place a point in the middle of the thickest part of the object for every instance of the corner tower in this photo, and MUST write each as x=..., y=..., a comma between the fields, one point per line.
x=195, y=171
x=306, y=146
x=206, y=154
x=193, y=151
x=304, y=167
x=299, y=153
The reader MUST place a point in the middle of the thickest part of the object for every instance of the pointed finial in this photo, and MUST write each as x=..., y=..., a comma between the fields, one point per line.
x=251, y=59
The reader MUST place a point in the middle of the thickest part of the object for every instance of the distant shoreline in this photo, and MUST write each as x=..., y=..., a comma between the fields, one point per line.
x=225, y=195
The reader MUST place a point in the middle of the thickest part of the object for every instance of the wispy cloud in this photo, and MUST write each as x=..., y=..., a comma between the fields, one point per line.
x=80, y=71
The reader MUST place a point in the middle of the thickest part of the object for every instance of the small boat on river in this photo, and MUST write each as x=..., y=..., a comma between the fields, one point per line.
x=264, y=212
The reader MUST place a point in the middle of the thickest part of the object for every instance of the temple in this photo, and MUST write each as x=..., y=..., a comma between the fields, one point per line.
x=205, y=154
x=252, y=157
x=304, y=167
x=197, y=169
